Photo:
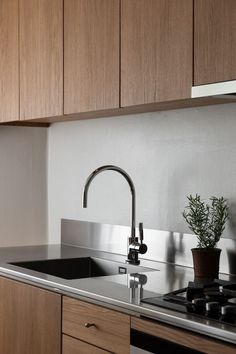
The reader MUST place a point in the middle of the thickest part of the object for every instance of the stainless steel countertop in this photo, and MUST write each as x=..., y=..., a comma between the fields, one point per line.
x=114, y=291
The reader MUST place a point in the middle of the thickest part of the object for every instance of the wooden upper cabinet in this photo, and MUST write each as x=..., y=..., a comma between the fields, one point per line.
x=41, y=58
x=91, y=55
x=156, y=50
x=9, y=58
x=214, y=41
x=30, y=319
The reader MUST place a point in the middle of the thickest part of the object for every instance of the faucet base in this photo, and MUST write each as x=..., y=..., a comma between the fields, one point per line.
x=133, y=257
x=132, y=262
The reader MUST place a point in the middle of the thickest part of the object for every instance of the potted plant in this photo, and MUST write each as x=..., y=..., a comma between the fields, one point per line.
x=208, y=223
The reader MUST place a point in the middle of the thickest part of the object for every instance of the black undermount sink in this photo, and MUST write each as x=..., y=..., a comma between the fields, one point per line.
x=77, y=268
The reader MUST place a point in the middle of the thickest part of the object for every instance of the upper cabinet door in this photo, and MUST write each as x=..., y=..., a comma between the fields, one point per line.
x=214, y=41
x=41, y=58
x=156, y=50
x=91, y=55
x=9, y=57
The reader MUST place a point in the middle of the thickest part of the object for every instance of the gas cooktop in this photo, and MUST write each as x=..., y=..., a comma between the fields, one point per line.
x=215, y=300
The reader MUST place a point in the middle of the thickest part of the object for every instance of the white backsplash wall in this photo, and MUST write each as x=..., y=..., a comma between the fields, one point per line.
x=23, y=186
x=168, y=155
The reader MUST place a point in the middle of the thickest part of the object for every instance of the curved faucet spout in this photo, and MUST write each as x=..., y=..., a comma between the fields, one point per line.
x=128, y=179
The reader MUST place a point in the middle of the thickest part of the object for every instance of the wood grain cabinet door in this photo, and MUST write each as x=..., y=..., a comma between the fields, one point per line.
x=71, y=345
x=41, y=58
x=9, y=58
x=91, y=55
x=30, y=319
x=156, y=50
x=214, y=41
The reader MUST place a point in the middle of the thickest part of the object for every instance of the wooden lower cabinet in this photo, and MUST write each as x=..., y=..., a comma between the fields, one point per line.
x=99, y=326
x=30, y=319
x=74, y=346
x=180, y=337
x=31, y=323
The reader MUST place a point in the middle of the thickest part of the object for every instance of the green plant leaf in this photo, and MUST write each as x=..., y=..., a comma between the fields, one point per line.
x=206, y=221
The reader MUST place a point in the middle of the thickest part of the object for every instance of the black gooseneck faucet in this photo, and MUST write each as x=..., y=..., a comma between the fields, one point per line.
x=135, y=247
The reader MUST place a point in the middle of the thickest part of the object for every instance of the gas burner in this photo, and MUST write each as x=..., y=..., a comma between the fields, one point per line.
x=215, y=300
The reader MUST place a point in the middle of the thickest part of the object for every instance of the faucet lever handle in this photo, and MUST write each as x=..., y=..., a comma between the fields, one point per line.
x=141, y=232
x=142, y=247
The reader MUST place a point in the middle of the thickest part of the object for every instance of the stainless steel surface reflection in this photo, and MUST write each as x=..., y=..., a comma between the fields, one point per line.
x=136, y=284
x=79, y=268
x=163, y=246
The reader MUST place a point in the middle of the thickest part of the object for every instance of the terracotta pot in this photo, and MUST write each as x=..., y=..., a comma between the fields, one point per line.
x=206, y=262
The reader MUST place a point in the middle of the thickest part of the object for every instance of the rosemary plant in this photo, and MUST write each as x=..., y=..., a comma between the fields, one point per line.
x=206, y=221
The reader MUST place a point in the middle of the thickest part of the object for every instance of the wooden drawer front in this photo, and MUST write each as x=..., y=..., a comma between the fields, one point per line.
x=182, y=337
x=111, y=330
x=74, y=346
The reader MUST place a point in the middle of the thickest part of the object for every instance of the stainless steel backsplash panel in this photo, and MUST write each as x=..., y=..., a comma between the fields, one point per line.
x=163, y=246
